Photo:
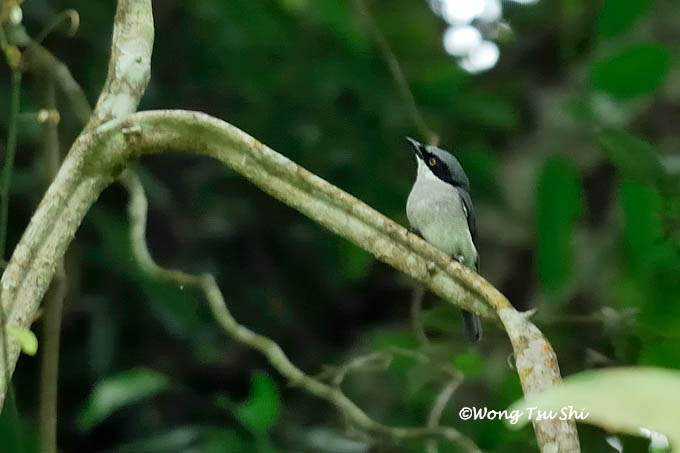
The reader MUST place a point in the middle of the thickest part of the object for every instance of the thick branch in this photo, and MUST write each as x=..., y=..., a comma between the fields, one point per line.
x=130, y=63
x=77, y=185
x=97, y=158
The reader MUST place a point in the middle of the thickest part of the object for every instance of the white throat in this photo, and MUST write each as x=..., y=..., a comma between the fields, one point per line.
x=424, y=173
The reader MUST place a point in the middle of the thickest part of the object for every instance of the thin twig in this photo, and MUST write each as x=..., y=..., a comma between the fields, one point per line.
x=376, y=360
x=397, y=73
x=9, y=158
x=41, y=62
x=390, y=58
x=70, y=14
x=54, y=300
x=417, y=296
x=137, y=211
x=13, y=57
x=438, y=408
x=3, y=37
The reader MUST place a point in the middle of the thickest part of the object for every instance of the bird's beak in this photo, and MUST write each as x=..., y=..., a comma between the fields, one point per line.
x=417, y=146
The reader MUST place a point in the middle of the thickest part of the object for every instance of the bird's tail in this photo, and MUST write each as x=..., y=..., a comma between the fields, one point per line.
x=472, y=326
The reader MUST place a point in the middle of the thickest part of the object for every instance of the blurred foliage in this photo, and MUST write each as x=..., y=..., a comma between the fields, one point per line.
x=628, y=400
x=645, y=67
x=117, y=391
x=559, y=204
x=570, y=143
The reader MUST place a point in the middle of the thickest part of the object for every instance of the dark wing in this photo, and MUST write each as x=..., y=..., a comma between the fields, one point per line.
x=470, y=214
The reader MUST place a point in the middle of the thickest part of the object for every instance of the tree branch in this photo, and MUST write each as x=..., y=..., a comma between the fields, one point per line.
x=75, y=187
x=137, y=211
x=109, y=142
x=130, y=63
x=98, y=157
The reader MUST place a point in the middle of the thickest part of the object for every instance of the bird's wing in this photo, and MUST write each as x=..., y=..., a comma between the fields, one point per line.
x=470, y=215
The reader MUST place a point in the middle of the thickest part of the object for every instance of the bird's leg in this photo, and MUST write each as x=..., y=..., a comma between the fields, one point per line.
x=415, y=231
x=459, y=258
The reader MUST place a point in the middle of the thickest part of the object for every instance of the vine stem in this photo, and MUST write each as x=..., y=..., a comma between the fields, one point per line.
x=9, y=158
x=54, y=300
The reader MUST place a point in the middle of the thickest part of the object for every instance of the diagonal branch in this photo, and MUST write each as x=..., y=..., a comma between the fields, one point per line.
x=137, y=211
x=97, y=158
x=75, y=187
x=110, y=141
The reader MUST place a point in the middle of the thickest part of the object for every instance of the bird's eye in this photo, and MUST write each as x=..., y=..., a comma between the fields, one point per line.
x=432, y=161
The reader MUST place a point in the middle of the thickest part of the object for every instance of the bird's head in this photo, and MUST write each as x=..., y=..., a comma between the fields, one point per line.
x=439, y=163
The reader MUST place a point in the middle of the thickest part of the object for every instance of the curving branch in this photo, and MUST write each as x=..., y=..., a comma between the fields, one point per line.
x=74, y=188
x=111, y=141
x=137, y=212
x=98, y=157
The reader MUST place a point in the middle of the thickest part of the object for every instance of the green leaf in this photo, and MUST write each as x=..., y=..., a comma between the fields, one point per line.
x=120, y=390
x=16, y=436
x=634, y=157
x=294, y=5
x=260, y=411
x=487, y=110
x=355, y=263
x=559, y=203
x=480, y=165
x=443, y=318
x=179, y=439
x=471, y=365
x=637, y=71
x=618, y=15
x=621, y=400
x=382, y=339
x=26, y=338
x=660, y=353
x=642, y=226
x=220, y=440
x=335, y=15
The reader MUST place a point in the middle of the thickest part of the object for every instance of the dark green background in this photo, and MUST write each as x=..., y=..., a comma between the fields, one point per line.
x=577, y=217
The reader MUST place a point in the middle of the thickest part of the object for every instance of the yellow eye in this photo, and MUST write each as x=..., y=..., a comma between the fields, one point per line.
x=432, y=161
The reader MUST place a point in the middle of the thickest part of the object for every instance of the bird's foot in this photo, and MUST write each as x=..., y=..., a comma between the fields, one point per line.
x=415, y=231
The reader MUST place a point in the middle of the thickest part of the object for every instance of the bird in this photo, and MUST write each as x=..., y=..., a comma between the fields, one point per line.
x=439, y=209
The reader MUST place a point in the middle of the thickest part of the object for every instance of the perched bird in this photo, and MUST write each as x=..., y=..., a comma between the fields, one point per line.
x=440, y=210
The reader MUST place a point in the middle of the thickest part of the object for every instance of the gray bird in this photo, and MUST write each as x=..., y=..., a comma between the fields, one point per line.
x=440, y=210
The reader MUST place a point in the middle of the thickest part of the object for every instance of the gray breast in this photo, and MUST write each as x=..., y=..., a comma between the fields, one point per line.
x=436, y=210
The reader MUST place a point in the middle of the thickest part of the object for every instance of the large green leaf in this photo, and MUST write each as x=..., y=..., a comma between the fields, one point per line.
x=559, y=203
x=335, y=15
x=636, y=71
x=260, y=411
x=634, y=157
x=621, y=400
x=618, y=15
x=120, y=390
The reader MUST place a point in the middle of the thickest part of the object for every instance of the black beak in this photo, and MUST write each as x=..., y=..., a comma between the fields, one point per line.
x=417, y=146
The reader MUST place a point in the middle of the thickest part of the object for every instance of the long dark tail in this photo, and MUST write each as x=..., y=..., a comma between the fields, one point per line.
x=472, y=326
